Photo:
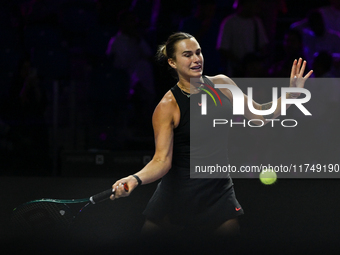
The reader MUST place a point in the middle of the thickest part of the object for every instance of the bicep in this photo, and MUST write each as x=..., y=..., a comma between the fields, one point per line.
x=163, y=126
x=247, y=113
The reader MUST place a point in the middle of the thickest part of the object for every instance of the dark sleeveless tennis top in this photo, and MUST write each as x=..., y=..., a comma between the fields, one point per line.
x=192, y=201
x=195, y=137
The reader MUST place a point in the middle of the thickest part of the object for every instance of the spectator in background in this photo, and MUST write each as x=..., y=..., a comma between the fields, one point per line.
x=131, y=53
x=270, y=10
x=25, y=115
x=224, y=8
x=324, y=123
x=171, y=12
x=292, y=49
x=322, y=65
x=241, y=33
x=253, y=65
x=148, y=14
x=330, y=14
x=316, y=37
x=203, y=24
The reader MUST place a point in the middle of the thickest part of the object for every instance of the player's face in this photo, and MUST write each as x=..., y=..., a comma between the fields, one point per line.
x=189, y=59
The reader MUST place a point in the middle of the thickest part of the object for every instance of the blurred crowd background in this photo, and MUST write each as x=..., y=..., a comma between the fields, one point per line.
x=81, y=75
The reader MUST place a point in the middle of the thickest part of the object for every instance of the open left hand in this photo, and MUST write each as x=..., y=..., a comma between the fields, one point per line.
x=297, y=80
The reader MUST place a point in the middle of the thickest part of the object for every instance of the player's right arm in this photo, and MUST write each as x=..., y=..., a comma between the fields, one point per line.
x=164, y=120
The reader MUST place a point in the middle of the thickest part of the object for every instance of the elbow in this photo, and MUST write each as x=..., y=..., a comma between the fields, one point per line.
x=164, y=169
x=167, y=166
x=164, y=164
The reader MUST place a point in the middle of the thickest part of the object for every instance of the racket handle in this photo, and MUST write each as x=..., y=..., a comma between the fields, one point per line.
x=105, y=195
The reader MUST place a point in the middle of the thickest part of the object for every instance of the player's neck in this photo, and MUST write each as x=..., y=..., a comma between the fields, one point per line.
x=187, y=86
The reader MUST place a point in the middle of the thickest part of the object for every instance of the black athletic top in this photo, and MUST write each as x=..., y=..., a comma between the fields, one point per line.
x=191, y=201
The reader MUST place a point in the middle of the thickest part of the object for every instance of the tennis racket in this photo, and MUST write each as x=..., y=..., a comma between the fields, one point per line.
x=48, y=213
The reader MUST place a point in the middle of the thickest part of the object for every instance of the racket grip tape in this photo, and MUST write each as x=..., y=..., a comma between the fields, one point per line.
x=105, y=195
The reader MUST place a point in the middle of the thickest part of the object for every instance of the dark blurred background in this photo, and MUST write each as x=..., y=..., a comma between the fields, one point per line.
x=79, y=82
x=78, y=77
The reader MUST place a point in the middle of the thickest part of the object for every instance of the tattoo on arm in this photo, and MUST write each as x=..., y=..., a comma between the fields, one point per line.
x=266, y=107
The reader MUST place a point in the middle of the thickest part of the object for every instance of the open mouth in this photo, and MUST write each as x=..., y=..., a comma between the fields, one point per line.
x=196, y=68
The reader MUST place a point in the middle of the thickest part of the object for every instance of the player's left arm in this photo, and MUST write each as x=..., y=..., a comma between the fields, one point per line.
x=296, y=80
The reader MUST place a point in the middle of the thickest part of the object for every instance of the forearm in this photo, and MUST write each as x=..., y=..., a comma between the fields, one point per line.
x=154, y=170
x=277, y=111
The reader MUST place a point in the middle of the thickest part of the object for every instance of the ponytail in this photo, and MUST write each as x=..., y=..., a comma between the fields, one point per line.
x=168, y=49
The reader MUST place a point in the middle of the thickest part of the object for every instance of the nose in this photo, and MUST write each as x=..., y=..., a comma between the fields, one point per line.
x=196, y=58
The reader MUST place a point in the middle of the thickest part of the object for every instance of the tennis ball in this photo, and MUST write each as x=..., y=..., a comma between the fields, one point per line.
x=268, y=176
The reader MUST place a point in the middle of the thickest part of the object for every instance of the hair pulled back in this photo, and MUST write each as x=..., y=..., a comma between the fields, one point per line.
x=167, y=50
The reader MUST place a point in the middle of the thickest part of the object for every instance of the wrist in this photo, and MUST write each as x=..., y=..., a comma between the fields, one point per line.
x=291, y=95
x=136, y=177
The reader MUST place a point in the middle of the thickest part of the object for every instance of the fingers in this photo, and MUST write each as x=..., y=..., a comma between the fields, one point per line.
x=119, y=190
x=308, y=74
x=299, y=68
x=112, y=197
x=296, y=77
x=292, y=74
x=302, y=70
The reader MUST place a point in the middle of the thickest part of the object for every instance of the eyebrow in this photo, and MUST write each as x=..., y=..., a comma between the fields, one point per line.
x=189, y=51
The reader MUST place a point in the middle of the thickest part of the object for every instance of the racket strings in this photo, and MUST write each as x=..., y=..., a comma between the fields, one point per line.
x=41, y=215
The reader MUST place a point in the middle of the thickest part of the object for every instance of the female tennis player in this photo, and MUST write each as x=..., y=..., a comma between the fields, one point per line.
x=181, y=202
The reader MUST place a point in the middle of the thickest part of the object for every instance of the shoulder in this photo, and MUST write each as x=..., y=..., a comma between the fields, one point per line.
x=118, y=38
x=230, y=18
x=168, y=100
x=228, y=23
x=167, y=106
x=115, y=43
x=221, y=79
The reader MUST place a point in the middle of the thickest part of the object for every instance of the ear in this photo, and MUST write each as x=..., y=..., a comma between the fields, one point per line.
x=172, y=63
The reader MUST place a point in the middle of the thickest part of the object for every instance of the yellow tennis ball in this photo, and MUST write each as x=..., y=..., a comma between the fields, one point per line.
x=268, y=176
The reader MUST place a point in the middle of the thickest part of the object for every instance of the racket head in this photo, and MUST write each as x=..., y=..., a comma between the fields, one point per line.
x=41, y=216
